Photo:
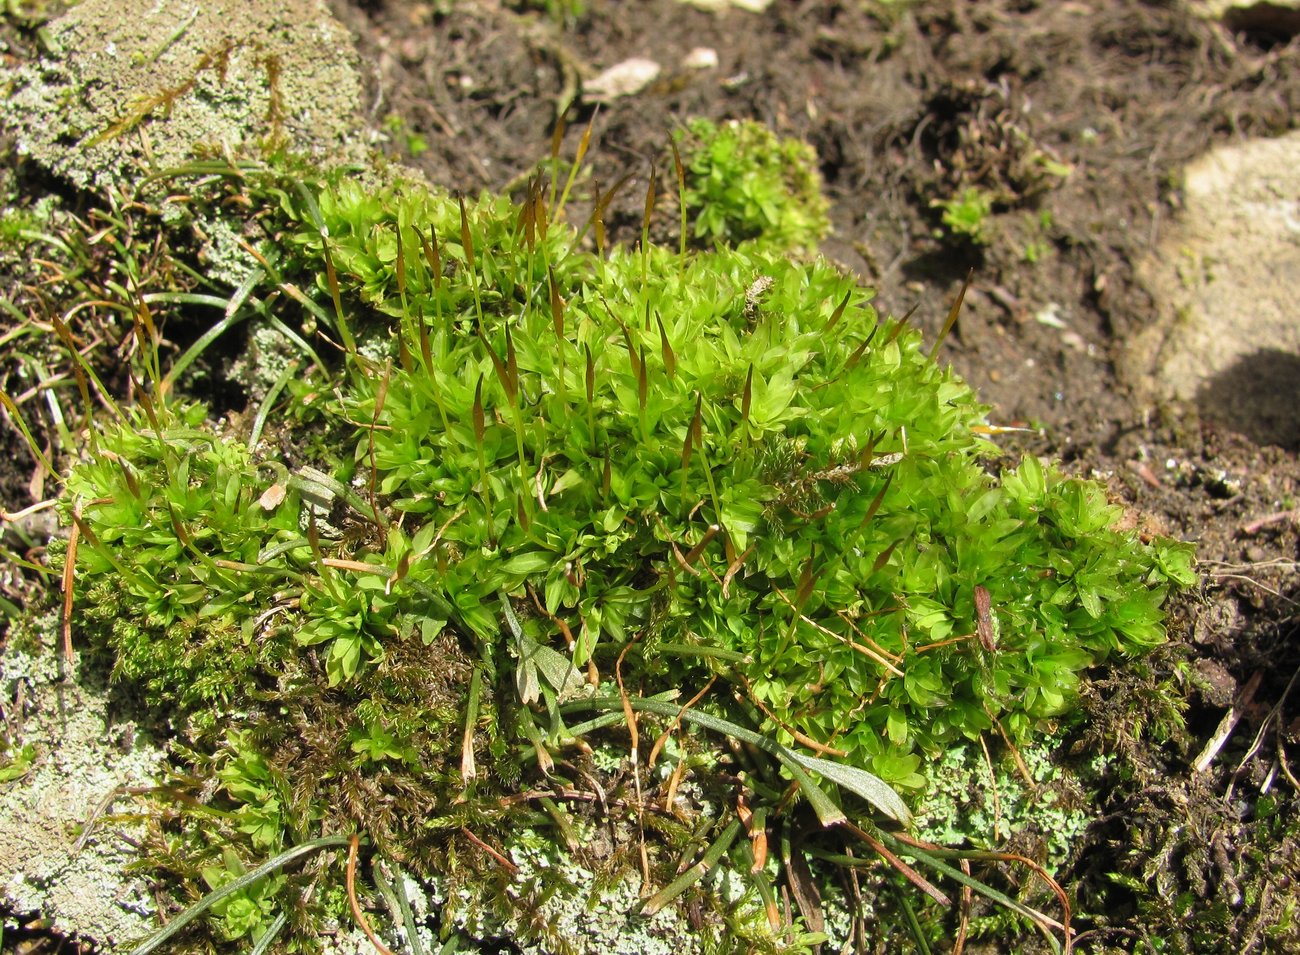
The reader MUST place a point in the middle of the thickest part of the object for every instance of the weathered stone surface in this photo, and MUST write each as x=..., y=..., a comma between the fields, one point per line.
x=135, y=85
x=1277, y=16
x=1226, y=279
x=85, y=764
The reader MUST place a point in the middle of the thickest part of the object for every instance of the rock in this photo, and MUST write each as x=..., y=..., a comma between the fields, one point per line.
x=1281, y=17
x=135, y=85
x=622, y=79
x=77, y=881
x=715, y=6
x=1224, y=277
x=701, y=58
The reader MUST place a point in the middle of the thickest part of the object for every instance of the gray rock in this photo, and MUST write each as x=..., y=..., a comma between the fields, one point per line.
x=49, y=863
x=1225, y=278
x=131, y=86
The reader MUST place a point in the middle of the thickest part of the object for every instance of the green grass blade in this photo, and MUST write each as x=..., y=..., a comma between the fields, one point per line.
x=858, y=781
x=274, y=392
x=230, y=888
x=269, y=936
x=696, y=872
x=199, y=347
x=909, y=915
x=392, y=886
x=871, y=788
x=298, y=341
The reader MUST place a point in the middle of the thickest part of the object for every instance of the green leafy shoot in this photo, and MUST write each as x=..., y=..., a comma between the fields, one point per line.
x=741, y=183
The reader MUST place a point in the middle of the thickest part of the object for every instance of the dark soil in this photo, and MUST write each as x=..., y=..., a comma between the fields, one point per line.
x=911, y=107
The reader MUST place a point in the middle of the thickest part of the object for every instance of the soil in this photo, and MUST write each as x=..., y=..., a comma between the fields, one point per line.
x=904, y=109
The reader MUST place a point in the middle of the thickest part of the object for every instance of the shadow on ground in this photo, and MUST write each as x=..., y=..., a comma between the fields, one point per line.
x=1257, y=396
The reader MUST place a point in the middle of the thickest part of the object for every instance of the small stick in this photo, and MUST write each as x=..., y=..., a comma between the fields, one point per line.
x=1228, y=723
x=866, y=651
x=630, y=716
x=9, y=517
x=820, y=749
x=993, y=785
x=351, y=881
x=1258, y=742
x=502, y=860
x=1255, y=526
x=88, y=826
x=675, y=724
x=901, y=867
x=69, y=575
x=967, y=897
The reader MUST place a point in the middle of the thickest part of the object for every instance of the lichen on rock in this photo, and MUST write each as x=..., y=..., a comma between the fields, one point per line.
x=58, y=854
x=132, y=85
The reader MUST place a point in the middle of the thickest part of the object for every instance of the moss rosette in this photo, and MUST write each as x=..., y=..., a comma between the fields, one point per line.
x=744, y=183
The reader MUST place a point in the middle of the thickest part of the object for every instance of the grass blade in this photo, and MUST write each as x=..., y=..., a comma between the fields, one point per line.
x=858, y=781
x=199, y=347
x=696, y=872
x=259, y=423
x=230, y=888
x=281, y=919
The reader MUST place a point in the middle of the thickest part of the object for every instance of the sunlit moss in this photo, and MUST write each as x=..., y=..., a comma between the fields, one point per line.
x=529, y=480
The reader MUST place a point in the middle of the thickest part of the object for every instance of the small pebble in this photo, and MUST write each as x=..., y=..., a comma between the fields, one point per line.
x=701, y=58
x=622, y=79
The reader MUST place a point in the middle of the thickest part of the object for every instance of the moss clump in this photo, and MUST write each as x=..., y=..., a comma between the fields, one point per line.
x=744, y=183
x=724, y=470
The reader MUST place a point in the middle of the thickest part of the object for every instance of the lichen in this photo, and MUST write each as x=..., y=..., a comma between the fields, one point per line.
x=132, y=85
x=59, y=853
x=972, y=802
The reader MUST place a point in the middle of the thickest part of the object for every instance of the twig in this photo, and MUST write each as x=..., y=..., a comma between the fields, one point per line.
x=1277, y=517
x=675, y=724
x=993, y=785
x=864, y=650
x=1228, y=723
x=9, y=517
x=560, y=624
x=502, y=860
x=630, y=716
x=903, y=869
x=967, y=898
x=1257, y=743
x=821, y=749
x=88, y=827
x=1025, y=774
x=69, y=575
x=351, y=881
